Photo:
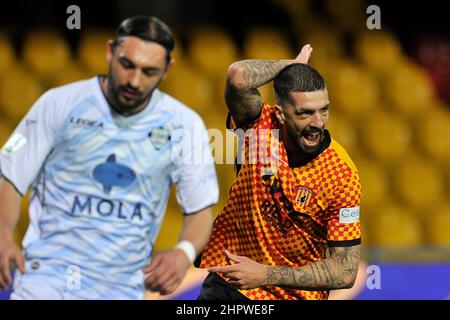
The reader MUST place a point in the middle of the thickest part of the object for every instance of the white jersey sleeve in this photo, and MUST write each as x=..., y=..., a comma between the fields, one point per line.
x=195, y=174
x=23, y=155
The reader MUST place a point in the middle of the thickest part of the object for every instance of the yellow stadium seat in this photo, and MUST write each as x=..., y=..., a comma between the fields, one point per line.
x=393, y=226
x=438, y=226
x=7, y=54
x=190, y=87
x=92, y=50
x=433, y=133
x=353, y=89
x=385, y=136
x=18, y=92
x=327, y=46
x=267, y=93
x=46, y=52
x=171, y=227
x=349, y=15
x=267, y=43
x=342, y=130
x=408, y=89
x=375, y=184
x=378, y=50
x=419, y=183
x=5, y=132
x=212, y=51
x=72, y=72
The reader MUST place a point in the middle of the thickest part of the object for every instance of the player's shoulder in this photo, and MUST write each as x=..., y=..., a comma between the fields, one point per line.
x=341, y=157
x=69, y=95
x=77, y=88
x=180, y=113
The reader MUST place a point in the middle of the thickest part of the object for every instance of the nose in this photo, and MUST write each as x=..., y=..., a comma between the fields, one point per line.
x=134, y=78
x=317, y=120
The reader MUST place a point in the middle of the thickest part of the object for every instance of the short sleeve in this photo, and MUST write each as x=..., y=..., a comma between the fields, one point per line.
x=343, y=227
x=194, y=173
x=23, y=155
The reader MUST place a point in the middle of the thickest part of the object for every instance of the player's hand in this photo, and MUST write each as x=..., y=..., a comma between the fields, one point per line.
x=244, y=273
x=304, y=54
x=9, y=253
x=166, y=271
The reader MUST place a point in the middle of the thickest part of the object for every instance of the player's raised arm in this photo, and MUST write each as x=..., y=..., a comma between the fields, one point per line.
x=245, y=77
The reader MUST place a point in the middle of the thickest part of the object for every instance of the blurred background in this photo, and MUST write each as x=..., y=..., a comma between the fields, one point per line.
x=389, y=92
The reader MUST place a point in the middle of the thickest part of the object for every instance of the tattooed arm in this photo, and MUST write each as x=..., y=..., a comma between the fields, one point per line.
x=336, y=272
x=244, y=77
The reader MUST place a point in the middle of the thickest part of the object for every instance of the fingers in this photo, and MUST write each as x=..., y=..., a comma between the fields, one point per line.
x=305, y=54
x=223, y=269
x=5, y=277
x=234, y=257
x=20, y=261
x=153, y=264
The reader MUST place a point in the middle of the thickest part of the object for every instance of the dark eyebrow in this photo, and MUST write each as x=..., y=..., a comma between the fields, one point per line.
x=145, y=69
x=301, y=109
x=125, y=59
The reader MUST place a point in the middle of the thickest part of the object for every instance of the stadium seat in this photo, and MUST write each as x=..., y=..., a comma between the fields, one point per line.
x=348, y=15
x=393, y=226
x=211, y=50
x=408, y=89
x=92, y=50
x=343, y=131
x=438, y=225
x=433, y=133
x=419, y=183
x=18, y=92
x=385, y=136
x=375, y=184
x=171, y=227
x=7, y=54
x=5, y=132
x=72, y=72
x=353, y=89
x=190, y=87
x=327, y=45
x=378, y=50
x=46, y=52
x=267, y=43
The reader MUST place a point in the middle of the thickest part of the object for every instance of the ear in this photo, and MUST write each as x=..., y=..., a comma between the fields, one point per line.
x=279, y=114
x=109, y=50
x=169, y=67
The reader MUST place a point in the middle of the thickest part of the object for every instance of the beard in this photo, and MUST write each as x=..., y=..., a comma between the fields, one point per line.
x=126, y=99
x=308, y=140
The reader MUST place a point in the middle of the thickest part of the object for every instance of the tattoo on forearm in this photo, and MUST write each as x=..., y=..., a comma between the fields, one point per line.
x=259, y=72
x=339, y=271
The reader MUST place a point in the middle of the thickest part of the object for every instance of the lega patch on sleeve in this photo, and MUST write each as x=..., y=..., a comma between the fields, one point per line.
x=349, y=215
x=14, y=144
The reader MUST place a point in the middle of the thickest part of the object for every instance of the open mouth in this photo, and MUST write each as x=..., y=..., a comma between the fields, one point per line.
x=311, y=139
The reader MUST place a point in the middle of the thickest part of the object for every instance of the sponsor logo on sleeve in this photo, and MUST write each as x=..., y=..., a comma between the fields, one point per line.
x=349, y=215
x=14, y=144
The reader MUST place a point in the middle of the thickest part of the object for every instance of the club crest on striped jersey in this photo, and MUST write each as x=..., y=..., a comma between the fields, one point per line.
x=303, y=196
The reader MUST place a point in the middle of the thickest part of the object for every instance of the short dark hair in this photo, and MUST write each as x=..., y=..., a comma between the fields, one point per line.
x=147, y=28
x=297, y=77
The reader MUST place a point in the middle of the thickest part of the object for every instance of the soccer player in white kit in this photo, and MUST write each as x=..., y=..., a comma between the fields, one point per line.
x=100, y=156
